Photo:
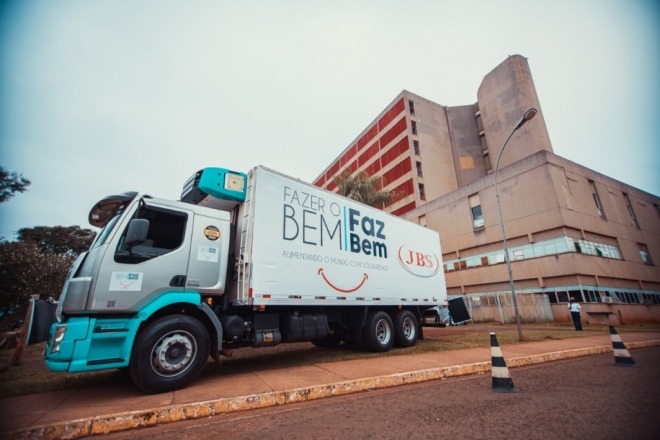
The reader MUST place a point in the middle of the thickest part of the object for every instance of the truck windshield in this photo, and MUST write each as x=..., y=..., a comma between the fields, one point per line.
x=105, y=232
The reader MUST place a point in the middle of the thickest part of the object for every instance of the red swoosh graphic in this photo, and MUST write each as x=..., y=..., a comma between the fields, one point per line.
x=364, y=279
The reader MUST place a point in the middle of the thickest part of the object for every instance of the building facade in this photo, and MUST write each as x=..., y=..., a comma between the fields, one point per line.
x=571, y=232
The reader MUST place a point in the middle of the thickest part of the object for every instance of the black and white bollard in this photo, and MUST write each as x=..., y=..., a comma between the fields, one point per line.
x=502, y=382
x=622, y=356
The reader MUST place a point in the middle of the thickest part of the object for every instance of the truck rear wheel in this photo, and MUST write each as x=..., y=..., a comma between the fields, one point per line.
x=406, y=329
x=169, y=353
x=378, y=332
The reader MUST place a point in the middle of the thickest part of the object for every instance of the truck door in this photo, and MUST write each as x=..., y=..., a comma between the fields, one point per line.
x=208, y=254
x=132, y=276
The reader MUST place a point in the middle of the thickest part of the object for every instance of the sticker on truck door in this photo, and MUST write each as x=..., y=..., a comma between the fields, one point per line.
x=212, y=233
x=126, y=281
x=208, y=253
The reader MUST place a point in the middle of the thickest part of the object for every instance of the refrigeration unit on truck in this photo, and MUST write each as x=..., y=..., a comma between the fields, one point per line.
x=242, y=260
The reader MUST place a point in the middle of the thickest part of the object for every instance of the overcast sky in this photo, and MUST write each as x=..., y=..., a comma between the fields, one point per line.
x=106, y=96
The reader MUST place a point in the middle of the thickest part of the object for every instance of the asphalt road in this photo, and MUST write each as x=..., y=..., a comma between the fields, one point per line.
x=582, y=398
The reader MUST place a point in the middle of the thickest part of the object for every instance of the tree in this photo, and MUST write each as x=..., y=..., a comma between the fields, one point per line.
x=68, y=240
x=363, y=188
x=25, y=271
x=38, y=263
x=11, y=183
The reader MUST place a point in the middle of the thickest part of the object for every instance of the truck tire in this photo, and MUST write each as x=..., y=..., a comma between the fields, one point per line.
x=378, y=332
x=169, y=354
x=406, y=329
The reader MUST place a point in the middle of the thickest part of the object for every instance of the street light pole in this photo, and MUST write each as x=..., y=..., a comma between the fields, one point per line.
x=529, y=114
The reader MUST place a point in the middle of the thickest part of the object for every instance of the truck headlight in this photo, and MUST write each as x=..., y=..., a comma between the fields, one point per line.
x=57, y=338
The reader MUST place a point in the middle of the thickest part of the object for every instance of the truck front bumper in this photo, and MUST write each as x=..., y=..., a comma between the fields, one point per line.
x=82, y=344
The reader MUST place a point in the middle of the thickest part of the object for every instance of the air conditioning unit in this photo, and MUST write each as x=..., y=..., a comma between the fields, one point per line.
x=607, y=299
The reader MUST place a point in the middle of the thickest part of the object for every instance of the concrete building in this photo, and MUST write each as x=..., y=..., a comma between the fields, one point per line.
x=571, y=232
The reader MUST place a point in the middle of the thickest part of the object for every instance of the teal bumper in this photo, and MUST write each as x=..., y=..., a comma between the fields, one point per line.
x=89, y=344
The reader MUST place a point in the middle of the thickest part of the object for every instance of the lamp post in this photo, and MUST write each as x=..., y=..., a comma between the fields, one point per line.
x=529, y=114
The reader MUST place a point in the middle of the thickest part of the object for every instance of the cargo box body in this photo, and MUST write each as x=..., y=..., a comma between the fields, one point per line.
x=299, y=245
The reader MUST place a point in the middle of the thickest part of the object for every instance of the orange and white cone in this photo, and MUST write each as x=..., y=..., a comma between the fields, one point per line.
x=502, y=382
x=622, y=356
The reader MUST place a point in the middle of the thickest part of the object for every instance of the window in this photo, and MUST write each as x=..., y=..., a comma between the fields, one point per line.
x=578, y=247
x=538, y=249
x=651, y=298
x=477, y=217
x=484, y=146
x=644, y=253
x=419, y=169
x=631, y=211
x=416, y=147
x=602, y=251
x=553, y=246
x=413, y=126
x=599, y=207
x=411, y=106
x=598, y=249
x=165, y=234
x=632, y=297
x=477, y=214
x=576, y=295
x=422, y=192
x=473, y=262
x=591, y=296
x=596, y=197
x=105, y=232
x=562, y=296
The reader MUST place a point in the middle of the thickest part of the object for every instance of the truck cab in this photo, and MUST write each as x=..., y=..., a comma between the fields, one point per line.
x=152, y=258
x=147, y=246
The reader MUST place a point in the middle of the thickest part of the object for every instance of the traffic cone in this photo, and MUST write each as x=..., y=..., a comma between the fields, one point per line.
x=502, y=382
x=622, y=357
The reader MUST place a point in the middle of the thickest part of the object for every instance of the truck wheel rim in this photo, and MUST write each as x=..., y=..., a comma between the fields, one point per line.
x=173, y=354
x=408, y=329
x=383, y=331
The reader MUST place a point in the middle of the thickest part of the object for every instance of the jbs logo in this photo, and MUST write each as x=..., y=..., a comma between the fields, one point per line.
x=418, y=263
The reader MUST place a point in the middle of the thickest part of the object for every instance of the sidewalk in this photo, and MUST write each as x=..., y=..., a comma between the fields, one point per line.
x=104, y=409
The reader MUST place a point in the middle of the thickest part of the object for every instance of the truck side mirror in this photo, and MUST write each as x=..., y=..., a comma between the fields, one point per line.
x=137, y=232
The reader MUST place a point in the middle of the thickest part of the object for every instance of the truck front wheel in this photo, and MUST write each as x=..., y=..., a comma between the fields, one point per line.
x=378, y=332
x=169, y=353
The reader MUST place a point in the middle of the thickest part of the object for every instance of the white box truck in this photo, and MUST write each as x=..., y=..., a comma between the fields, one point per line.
x=242, y=260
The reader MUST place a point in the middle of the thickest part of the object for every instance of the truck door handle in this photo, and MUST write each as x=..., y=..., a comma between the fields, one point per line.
x=178, y=281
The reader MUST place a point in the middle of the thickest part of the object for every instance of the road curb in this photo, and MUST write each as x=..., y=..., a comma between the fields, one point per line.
x=173, y=413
